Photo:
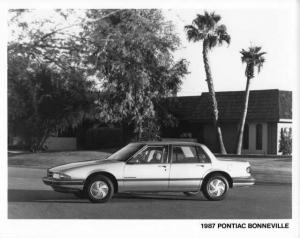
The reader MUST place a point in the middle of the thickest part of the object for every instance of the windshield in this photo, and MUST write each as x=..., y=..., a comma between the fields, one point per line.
x=124, y=153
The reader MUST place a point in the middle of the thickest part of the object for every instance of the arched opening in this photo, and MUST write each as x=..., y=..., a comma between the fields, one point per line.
x=259, y=137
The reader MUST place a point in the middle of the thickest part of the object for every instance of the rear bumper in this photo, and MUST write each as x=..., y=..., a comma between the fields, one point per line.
x=65, y=186
x=243, y=181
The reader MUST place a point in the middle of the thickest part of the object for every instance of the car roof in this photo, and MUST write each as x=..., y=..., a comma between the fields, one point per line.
x=167, y=142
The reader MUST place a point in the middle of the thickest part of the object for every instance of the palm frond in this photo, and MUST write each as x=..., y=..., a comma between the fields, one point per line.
x=222, y=34
x=256, y=49
x=215, y=17
x=199, y=22
x=260, y=63
x=261, y=54
x=253, y=58
x=221, y=29
x=206, y=27
x=192, y=33
x=212, y=41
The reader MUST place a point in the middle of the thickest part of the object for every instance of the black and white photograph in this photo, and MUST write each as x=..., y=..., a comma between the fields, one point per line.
x=154, y=113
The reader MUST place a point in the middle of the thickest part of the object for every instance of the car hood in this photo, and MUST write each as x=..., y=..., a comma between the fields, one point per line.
x=65, y=167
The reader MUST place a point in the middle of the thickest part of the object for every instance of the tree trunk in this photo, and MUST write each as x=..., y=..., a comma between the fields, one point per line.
x=41, y=143
x=243, y=119
x=212, y=94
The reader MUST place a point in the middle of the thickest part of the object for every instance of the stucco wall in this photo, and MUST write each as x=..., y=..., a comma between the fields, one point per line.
x=61, y=143
x=272, y=138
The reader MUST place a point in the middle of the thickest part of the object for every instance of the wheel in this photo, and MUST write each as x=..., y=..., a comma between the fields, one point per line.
x=99, y=189
x=80, y=194
x=192, y=194
x=215, y=188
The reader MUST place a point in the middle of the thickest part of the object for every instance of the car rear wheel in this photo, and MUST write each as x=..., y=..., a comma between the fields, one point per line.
x=100, y=189
x=215, y=188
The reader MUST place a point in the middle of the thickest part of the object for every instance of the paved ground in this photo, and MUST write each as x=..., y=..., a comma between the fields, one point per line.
x=28, y=197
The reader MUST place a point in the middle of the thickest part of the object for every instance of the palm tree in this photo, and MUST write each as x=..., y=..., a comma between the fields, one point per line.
x=206, y=28
x=253, y=59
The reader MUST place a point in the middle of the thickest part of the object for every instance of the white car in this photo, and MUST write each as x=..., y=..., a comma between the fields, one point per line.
x=151, y=167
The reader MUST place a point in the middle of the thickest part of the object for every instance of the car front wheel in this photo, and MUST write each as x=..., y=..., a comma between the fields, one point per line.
x=100, y=189
x=215, y=188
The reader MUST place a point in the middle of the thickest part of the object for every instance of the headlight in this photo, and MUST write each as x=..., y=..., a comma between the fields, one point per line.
x=248, y=170
x=61, y=176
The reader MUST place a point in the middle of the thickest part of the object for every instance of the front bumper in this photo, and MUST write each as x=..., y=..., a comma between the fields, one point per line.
x=243, y=181
x=65, y=186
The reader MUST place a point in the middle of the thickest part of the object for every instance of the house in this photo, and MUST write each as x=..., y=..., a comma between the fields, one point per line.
x=269, y=112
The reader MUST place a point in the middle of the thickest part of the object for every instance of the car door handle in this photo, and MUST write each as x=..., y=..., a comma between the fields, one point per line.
x=163, y=166
x=200, y=165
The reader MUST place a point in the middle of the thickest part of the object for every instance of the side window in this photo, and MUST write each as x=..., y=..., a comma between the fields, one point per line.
x=151, y=155
x=184, y=154
x=203, y=158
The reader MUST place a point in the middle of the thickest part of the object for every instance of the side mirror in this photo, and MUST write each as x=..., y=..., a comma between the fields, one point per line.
x=135, y=160
x=132, y=161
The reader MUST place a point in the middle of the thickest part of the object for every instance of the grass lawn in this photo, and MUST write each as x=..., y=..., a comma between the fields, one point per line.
x=50, y=159
x=263, y=169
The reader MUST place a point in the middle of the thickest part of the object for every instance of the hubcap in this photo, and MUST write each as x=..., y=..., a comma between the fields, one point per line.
x=99, y=189
x=216, y=188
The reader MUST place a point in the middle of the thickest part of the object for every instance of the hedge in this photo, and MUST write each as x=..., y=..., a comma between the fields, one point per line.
x=97, y=138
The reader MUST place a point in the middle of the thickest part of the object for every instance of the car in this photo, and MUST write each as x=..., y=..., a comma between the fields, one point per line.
x=165, y=166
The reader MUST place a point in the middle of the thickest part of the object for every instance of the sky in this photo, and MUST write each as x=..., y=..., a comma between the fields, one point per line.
x=268, y=27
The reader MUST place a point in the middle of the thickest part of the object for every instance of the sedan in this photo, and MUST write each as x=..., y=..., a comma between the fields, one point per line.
x=164, y=166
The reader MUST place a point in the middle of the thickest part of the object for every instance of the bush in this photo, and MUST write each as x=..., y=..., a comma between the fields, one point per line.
x=285, y=143
x=97, y=138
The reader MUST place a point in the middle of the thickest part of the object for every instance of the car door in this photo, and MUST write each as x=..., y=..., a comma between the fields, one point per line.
x=188, y=165
x=147, y=170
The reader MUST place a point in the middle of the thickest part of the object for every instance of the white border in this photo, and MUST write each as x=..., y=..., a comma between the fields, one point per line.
x=139, y=228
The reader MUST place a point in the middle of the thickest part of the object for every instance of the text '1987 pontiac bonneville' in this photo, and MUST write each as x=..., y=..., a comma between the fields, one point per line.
x=152, y=167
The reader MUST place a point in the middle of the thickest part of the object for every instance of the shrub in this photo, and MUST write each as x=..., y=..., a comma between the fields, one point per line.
x=103, y=137
x=285, y=143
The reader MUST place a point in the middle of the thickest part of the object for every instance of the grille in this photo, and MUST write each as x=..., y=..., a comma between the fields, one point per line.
x=49, y=174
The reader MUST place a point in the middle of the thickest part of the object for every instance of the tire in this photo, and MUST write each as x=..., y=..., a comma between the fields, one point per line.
x=192, y=194
x=80, y=194
x=99, y=189
x=215, y=188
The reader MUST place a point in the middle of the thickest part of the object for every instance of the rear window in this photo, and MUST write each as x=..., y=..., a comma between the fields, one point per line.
x=184, y=154
x=189, y=154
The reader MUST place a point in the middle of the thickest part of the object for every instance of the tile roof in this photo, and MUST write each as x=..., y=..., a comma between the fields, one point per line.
x=264, y=105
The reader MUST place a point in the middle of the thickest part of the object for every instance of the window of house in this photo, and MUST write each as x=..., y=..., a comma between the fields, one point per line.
x=259, y=137
x=246, y=137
